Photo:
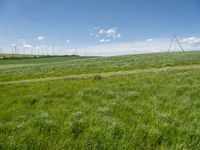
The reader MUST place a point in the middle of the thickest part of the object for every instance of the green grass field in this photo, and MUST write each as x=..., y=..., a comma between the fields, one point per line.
x=20, y=56
x=32, y=57
x=145, y=109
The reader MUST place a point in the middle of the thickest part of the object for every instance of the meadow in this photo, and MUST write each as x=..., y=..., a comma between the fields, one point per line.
x=145, y=110
x=54, y=67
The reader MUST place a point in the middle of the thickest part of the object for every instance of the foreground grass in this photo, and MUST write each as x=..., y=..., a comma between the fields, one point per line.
x=141, y=111
x=25, y=70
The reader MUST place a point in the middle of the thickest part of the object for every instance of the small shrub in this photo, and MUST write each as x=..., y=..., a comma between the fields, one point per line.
x=44, y=124
x=77, y=125
x=116, y=130
x=33, y=101
x=98, y=77
x=97, y=139
x=30, y=100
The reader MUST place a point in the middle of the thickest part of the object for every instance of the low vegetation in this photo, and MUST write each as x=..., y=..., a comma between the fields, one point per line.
x=157, y=110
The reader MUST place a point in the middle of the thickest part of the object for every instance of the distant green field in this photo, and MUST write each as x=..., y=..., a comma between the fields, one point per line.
x=146, y=110
x=16, y=63
x=26, y=59
x=19, y=56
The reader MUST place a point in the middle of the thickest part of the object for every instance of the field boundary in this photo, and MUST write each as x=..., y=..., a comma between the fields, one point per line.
x=105, y=74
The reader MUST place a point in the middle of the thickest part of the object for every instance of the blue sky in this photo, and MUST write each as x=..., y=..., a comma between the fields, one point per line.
x=99, y=24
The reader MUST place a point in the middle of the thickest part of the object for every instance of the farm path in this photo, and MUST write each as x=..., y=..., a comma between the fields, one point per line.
x=105, y=74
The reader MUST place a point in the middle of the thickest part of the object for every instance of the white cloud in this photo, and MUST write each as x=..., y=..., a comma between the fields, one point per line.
x=137, y=47
x=111, y=33
x=105, y=41
x=119, y=36
x=107, y=48
x=193, y=41
x=149, y=40
x=101, y=31
x=112, y=49
x=27, y=46
x=40, y=38
x=68, y=41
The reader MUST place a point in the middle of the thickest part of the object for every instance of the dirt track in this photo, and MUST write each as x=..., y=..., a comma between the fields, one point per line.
x=107, y=74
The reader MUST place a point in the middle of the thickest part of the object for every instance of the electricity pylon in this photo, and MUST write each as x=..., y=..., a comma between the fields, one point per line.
x=174, y=39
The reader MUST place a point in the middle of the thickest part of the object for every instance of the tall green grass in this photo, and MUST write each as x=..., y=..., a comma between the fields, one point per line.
x=141, y=111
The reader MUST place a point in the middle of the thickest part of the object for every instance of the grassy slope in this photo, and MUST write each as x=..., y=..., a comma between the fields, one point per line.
x=96, y=65
x=141, y=111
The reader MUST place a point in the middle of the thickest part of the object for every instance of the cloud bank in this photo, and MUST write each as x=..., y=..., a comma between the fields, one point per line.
x=193, y=41
x=108, y=48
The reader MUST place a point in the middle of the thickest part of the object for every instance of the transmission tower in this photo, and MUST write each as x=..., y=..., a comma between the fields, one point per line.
x=174, y=39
